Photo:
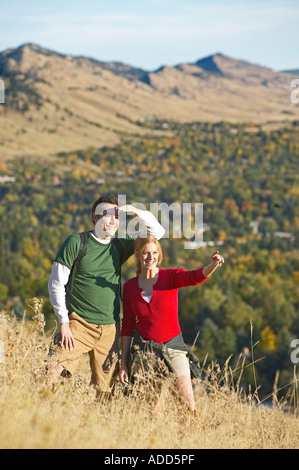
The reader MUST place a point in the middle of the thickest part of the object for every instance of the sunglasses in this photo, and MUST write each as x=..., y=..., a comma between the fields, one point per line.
x=114, y=211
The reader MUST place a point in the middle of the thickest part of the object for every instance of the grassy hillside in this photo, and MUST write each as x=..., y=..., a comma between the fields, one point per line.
x=34, y=415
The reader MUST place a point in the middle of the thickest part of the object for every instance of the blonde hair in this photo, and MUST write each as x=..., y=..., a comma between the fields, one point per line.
x=139, y=246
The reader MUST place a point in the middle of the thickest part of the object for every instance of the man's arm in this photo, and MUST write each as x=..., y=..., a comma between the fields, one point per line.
x=56, y=285
x=146, y=218
x=153, y=227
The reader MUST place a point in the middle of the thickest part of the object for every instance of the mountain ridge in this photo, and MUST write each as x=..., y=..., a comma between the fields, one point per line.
x=199, y=62
x=58, y=102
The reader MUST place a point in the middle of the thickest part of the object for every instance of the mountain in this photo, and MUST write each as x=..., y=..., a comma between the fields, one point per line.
x=56, y=102
x=294, y=71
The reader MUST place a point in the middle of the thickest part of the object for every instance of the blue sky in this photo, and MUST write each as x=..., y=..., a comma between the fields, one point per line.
x=151, y=33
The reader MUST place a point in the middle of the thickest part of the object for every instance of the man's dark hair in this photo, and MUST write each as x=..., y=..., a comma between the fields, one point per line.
x=100, y=200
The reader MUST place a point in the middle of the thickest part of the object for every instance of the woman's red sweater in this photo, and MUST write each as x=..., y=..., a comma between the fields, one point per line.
x=157, y=320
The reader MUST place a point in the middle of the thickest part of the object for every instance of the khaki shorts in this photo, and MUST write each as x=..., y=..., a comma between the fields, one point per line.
x=101, y=342
x=179, y=362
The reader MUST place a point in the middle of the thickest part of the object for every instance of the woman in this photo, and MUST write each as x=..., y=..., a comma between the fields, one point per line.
x=150, y=305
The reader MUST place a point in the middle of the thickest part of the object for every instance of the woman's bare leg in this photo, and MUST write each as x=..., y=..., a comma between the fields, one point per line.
x=184, y=385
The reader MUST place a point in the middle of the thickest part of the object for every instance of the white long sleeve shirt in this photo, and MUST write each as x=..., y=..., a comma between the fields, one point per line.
x=60, y=274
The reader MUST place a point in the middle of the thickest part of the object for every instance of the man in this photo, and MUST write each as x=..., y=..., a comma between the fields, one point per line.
x=88, y=311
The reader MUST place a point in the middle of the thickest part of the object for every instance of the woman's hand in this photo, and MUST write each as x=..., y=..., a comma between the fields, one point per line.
x=123, y=375
x=217, y=260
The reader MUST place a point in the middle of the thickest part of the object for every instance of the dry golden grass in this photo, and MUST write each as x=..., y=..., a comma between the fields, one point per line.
x=33, y=415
